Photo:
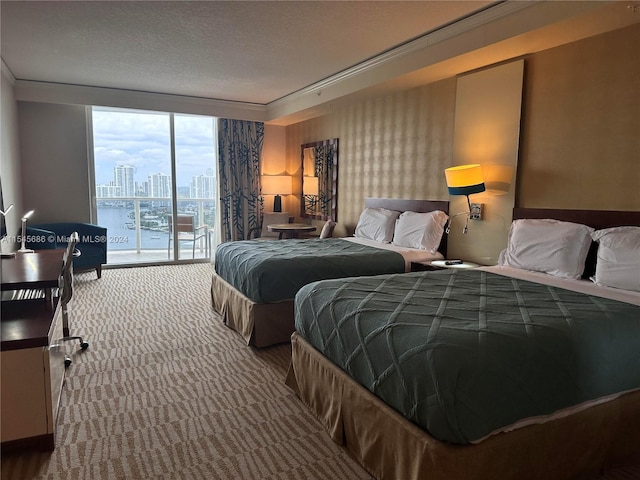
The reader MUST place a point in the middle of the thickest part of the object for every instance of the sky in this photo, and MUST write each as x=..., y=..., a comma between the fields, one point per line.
x=141, y=139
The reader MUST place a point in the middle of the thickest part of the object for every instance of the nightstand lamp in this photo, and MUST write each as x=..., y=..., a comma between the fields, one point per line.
x=464, y=180
x=276, y=185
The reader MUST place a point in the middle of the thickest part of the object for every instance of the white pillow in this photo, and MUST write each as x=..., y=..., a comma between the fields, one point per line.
x=618, y=260
x=549, y=246
x=376, y=224
x=420, y=230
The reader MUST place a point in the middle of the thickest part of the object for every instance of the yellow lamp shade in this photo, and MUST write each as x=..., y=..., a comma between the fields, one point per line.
x=465, y=179
x=276, y=185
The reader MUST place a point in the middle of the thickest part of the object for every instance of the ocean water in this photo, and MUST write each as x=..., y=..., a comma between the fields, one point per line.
x=120, y=237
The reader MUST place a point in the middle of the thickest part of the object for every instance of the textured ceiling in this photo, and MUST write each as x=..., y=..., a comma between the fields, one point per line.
x=244, y=51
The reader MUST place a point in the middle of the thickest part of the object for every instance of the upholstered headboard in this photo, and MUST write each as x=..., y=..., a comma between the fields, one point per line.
x=410, y=205
x=597, y=219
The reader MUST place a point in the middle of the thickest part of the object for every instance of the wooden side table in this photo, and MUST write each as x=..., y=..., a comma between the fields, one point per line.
x=291, y=230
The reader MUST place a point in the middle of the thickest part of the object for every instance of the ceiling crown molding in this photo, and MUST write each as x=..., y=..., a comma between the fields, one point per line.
x=47, y=92
x=490, y=14
x=498, y=23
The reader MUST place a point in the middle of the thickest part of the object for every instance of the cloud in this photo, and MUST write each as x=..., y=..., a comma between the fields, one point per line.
x=142, y=140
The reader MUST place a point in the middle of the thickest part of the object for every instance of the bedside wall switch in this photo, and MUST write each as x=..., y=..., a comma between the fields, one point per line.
x=476, y=211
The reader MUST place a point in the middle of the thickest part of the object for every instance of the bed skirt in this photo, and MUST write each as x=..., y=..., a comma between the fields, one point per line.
x=260, y=324
x=390, y=447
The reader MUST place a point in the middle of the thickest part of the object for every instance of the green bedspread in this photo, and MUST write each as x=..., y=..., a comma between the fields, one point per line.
x=272, y=271
x=465, y=353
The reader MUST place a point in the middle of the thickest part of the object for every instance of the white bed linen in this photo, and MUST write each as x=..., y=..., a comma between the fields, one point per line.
x=582, y=286
x=409, y=254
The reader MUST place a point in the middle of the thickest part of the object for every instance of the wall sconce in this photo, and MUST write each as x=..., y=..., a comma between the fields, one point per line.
x=276, y=185
x=23, y=239
x=464, y=180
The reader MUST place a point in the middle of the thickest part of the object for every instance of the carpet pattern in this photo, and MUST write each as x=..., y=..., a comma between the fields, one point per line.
x=166, y=391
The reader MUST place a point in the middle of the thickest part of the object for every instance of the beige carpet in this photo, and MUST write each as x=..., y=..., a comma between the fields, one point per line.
x=166, y=391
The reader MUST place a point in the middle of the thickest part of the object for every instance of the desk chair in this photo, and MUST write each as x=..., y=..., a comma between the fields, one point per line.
x=187, y=232
x=65, y=292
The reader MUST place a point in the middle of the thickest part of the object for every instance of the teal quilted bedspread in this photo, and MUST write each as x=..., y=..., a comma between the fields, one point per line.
x=466, y=353
x=273, y=271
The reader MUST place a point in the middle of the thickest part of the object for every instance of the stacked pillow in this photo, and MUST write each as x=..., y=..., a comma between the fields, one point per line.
x=420, y=230
x=618, y=259
x=410, y=229
x=560, y=249
x=377, y=224
x=549, y=246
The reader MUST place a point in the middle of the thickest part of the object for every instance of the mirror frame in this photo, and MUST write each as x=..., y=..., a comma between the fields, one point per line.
x=332, y=214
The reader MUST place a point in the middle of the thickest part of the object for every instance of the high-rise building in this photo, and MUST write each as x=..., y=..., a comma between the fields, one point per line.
x=160, y=185
x=203, y=186
x=123, y=178
x=108, y=191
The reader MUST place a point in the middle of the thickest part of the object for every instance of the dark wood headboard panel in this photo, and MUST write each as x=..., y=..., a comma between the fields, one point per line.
x=409, y=205
x=597, y=219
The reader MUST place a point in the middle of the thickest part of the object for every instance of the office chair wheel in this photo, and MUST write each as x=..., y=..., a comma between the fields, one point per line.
x=84, y=346
x=67, y=362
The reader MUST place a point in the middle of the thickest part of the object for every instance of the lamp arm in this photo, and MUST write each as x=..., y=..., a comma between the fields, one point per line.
x=468, y=203
x=450, y=221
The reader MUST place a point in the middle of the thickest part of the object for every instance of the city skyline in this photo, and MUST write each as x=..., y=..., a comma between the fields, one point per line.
x=124, y=184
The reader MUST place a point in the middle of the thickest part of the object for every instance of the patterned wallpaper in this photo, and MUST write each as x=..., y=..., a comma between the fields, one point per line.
x=394, y=146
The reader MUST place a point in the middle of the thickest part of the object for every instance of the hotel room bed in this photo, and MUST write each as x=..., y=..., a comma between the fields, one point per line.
x=255, y=281
x=490, y=373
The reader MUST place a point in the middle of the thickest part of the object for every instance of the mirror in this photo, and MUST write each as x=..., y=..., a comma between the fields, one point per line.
x=320, y=180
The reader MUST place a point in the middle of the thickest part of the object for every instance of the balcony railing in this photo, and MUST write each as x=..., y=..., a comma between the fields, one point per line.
x=138, y=227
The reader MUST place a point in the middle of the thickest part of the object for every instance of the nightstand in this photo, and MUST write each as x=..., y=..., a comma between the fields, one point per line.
x=423, y=266
x=446, y=264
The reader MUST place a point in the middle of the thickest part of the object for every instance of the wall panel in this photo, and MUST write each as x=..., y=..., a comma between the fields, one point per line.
x=393, y=146
x=55, y=170
x=581, y=125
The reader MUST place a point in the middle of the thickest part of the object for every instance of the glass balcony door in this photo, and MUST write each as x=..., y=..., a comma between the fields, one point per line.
x=152, y=171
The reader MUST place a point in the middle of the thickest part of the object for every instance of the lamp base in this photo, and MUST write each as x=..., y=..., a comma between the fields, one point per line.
x=25, y=250
x=277, y=203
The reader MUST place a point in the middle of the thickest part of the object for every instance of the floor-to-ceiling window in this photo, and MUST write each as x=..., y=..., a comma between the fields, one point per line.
x=154, y=176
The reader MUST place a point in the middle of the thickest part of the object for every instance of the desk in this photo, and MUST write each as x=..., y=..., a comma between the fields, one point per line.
x=35, y=270
x=290, y=229
x=32, y=362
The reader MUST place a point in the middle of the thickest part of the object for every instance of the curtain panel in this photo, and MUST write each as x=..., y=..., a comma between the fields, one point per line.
x=239, y=153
